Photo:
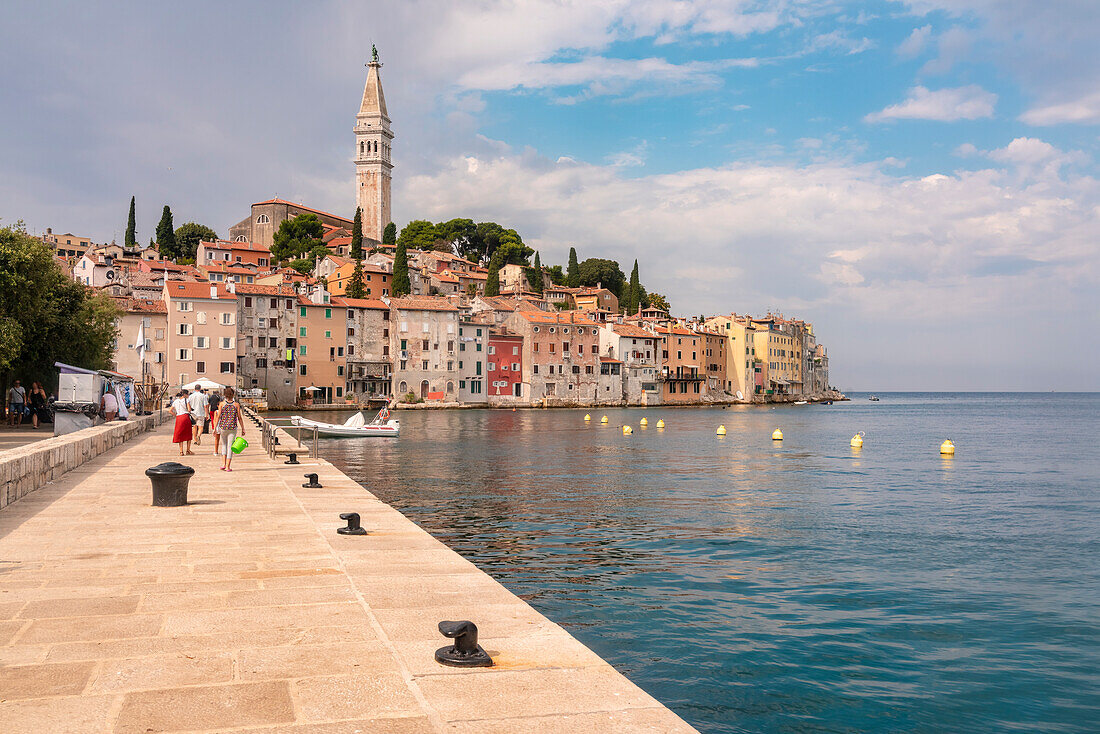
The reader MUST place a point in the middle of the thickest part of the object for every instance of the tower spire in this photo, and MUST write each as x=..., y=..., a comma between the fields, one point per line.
x=372, y=153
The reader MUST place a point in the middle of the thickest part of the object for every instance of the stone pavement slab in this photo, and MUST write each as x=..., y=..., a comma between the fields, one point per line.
x=246, y=611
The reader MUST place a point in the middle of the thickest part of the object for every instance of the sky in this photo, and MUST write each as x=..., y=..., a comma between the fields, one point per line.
x=918, y=178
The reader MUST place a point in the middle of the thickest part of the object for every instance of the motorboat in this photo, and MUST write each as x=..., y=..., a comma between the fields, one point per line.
x=801, y=402
x=873, y=398
x=355, y=426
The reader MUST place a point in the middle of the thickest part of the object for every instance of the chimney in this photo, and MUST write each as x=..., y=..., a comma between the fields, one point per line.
x=214, y=292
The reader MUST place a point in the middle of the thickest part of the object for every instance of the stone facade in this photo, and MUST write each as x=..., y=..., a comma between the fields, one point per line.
x=267, y=330
x=474, y=371
x=261, y=225
x=561, y=360
x=368, y=355
x=636, y=348
x=424, y=344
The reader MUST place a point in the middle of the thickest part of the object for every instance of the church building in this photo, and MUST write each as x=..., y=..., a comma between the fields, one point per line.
x=373, y=165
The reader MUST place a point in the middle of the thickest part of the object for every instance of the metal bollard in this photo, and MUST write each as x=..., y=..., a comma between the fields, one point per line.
x=312, y=483
x=170, y=481
x=292, y=460
x=353, y=528
x=465, y=652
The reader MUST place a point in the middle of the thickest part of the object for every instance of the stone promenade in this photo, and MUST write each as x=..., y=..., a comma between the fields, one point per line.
x=246, y=611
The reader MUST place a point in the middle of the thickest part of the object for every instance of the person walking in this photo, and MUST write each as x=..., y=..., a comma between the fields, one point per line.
x=198, y=404
x=183, y=430
x=215, y=400
x=38, y=405
x=17, y=403
x=229, y=417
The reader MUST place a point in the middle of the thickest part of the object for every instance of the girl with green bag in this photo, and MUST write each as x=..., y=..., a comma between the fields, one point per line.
x=229, y=417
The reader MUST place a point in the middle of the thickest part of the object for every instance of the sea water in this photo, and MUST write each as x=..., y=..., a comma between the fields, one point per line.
x=754, y=585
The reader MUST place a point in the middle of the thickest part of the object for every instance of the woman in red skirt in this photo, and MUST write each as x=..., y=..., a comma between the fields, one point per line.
x=183, y=431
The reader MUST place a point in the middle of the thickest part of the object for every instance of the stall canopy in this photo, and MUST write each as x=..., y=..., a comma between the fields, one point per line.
x=204, y=384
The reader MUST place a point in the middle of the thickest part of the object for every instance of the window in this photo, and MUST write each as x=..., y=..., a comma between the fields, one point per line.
x=202, y=342
x=535, y=347
x=200, y=367
x=200, y=317
x=228, y=318
x=184, y=306
x=492, y=350
x=248, y=301
x=424, y=345
x=302, y=369
x=184, y=355
x=302, y=351
x=450, y=346
x=577, y=369
x=587, y=369
x=328, y=334
x=328, y=313
x=595, y=348
x=404, y=326
x=227, y=368
x=478, y=370
x=515, y=366
x=492, y=366
x=534, y=369
x=479, y=346
x=261, y=342
x=227, y=342
x=160, y=333
x=515, y=350
x=185, y=330
x=262, y=219
x=301, y=331
x=425, y=365
x=261, y=362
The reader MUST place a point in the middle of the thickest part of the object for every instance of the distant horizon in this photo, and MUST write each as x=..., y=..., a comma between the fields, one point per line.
x=917, y=178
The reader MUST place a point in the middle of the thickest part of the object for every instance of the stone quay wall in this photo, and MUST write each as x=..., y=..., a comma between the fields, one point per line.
x=27, y=468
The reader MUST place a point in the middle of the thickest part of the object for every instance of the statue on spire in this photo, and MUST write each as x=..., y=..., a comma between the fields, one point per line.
x=374, y=53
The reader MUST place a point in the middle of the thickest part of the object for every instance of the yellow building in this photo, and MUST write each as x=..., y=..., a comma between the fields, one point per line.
x=740, y=352
x=778, y=344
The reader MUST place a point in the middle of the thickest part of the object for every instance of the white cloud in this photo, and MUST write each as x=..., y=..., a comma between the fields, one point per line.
x=917, y=41
x=959, y=103
x=1082, y=110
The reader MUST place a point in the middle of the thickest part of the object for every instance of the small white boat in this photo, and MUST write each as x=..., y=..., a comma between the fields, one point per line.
x=357, y=425
x=801, y=402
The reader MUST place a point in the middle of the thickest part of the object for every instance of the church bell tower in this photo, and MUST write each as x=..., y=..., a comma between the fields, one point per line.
x=372, y=154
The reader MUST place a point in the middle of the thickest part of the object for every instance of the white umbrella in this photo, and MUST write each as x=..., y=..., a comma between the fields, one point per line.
x=204, y=384
x=312, y=389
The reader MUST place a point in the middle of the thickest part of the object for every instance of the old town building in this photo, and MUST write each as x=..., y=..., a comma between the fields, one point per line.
x=424, y=343
x=368, y=351
x=202, y=333
x=267, y=342
x=561, y=360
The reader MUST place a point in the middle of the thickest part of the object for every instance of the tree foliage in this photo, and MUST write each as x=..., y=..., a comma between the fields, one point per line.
x=357, y=235
x=399, y=283
x=492, y=282
x=189, y=235
x=598, y=271
x=557, y=276
x=166, y=236
x=389, y=234
x=461, y=234
x=656, y=300
x=46, y=316
x=633, y=292
x=131, y=226
x=418, y=234
x=297, y=237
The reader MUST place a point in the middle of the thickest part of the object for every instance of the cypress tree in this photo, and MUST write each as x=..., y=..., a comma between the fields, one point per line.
x=389, y=234
x=357, y=235
x=399, y=283
x=572, y=275
x=633, y=291
x=131, y=226
x=166, y=235
x=355, y=287
x=537, y=285
x=492, y=283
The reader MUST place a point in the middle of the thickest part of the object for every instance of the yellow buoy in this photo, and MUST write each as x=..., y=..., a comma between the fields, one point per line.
x=721, y=431
x=661, y=423
x=947, y=447
x=643, y=422
x=627, y=430
x=604, y=419
x=587, y=417
x=857, y=440
x=777, y=435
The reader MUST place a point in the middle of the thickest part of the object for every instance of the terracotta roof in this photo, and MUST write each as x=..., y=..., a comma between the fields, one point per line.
x=676, y=331
x=544, y=317
x=187, y=289
x=446, y=278
x=248, y=289
x=360, y=302
x=302, y=207
x=338, y=242
x=230, y=245
x=422, y=303
x=608, y=360
x=140, y=305
x=632, y=331
x=338, y=259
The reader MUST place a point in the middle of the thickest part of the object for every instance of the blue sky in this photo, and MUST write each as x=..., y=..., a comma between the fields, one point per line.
x=918, y=178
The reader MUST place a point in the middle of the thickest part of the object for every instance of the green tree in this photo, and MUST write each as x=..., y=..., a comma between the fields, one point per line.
x=166, y=236
x=354, y=288
x=598, y=271
x=557, y=277
x=131, y=226
x=357, y=235
x=189, y=235
x=46, y=316
x=389, y=234
x=399, y=283
x=461, y=234
x=633, y=299
x=656, y=300
x=297, y=237
x=572, y=275
x=492, y=282
x=418, y=234
x=535, y=276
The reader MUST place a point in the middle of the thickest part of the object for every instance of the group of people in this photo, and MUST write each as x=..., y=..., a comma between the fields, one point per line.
x=195, y=408
x=33, y=406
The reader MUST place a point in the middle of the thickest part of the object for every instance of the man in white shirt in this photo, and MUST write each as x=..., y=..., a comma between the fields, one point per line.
x=197, y=403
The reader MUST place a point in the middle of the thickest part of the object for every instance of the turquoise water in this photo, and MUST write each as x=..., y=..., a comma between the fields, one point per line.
x=756, y=586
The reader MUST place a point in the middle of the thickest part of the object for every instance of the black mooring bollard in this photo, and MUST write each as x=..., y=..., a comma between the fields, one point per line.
x=312, y=483
x=169, y=483
x=465, y=652
x=292, y=460
x=353, y=528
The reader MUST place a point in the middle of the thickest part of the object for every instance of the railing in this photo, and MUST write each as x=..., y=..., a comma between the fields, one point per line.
x=270, y=441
